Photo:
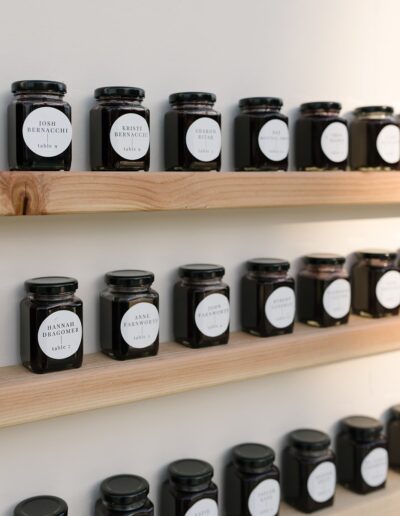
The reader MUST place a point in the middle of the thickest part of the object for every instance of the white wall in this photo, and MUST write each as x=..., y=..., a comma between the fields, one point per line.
x=299, y=49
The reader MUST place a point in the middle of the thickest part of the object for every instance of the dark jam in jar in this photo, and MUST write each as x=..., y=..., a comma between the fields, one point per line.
x=119, y=130
x=393, y=437
x=129, y=319
x=125, y=495
x=268, y=302
x=362, y=456
x=39, y=127
x=51, y=325
x=375, y=283
x=374, y=139
x=192, y=132
x=42, y=506
x=201, y=306
x=189, y=490
x=261, y=135
x=309, y=471
x=323, y=291
x=321, y=137
x=252, y=482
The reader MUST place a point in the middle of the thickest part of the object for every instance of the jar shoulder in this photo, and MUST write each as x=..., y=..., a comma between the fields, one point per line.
x=148, y=295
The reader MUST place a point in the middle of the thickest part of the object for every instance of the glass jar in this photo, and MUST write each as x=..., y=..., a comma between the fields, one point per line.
x=261, y=135
x=43, y=506
x=323, y=291
x=375, y=283
x=51, y=325
x=321, y=137
x=192, y=132
x=119, y=130
x=201, y=306
x=252, y=482
x=309, y=471
x=129, y=318
x=189, y=490
x=39, y=127
x=374, y=139
x=125, y=495
x=268, y=302
x=393, y=437
x=362, y=455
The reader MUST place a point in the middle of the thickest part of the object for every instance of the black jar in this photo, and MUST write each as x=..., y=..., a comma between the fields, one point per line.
x=362, y=456
x=51, y=325
x=309, y=471
x=321, y=137
x=129, y=318
x=261, y=135
x=119, y=130
x=189, y=490
x=374, y=139
x=252, y=482
x=201, y=306
x=393, y=437
x=375, y=283
x=323, y=291
x=39, y=127
x=43, y=506
x=192, y=132
x=125, y=495
x=268, y=302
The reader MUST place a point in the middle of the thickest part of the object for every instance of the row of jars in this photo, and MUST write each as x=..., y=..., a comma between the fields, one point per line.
x=40, y=133
x=51, y=314
x=252, y=482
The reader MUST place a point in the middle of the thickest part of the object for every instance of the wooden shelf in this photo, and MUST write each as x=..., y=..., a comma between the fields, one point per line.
x=45, y=193
x=103, y=382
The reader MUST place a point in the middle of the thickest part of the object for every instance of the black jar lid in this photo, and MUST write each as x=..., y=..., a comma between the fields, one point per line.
x=261, y=101
x=362, y=428
x=51, y=285
x=119, y=91
x=316, y=106
x=267, y=265
x=42, y=506
x=253, y=457
x=374, y=109
x=309, y=440
x=380, y=254
x=124, y=489
x=129, y=278
x=45, y=86
x=190, y=473
x=324, y=259
x=395, y=412
x=192, y=96
x=201, y=271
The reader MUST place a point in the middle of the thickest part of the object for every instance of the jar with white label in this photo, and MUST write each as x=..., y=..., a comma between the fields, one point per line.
x=192, y=133
x=323, y=291
x=252, y=482
x=51, y=325
x=374, y=139
x=125, y=495
x=129, y=318
x=43, y=506
x=261, y=135
x=119, y=130
x=362, y=457
x=309, y=471
x=39, y=127
x=321, y=137
x=189, y=490
x=201, y=306
x=393, y=437
x=268, y=302
x=375, y=283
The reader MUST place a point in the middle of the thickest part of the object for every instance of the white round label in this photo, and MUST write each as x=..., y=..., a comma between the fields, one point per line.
x=130, y=136
x=280, y=307
x=60, y=334
x=204, y=507
x=140, y=325
x=212, y=315
x=337, y=298
x=388, y=143
x=203, y=139
x=321, y=483
x=374, y=468
x=273, y=140
x=47, y=132
x=335, y=142
x=265, y=498
x=388, y=290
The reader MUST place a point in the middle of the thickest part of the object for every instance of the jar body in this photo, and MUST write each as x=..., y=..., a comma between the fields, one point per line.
x=145, y=510
x=393, y=437
x=189, y=503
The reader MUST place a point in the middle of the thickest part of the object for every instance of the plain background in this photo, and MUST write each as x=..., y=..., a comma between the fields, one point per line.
x=301, y=50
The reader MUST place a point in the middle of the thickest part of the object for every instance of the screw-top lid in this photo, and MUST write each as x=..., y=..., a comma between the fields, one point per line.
x=119, y=91
x=324, y=259
x=252, y=457
x=320, y=106
x=39, y=86
x=380, y=254
x=192, y=96
x=201, y=271
x=267, y=265
x=395, y=411
x=362, y=428
x=51, y=285
x=124, y=490
x=309, y=440
x=261, y=102
x=42, y=506
x=374, y=109
x=190, y=473
x=129, y=278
